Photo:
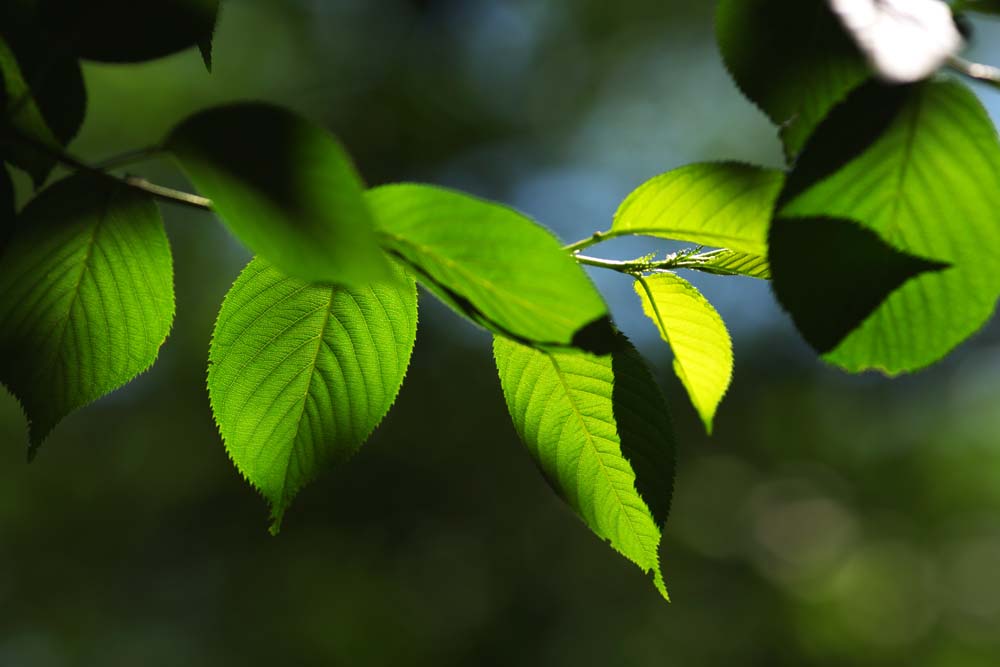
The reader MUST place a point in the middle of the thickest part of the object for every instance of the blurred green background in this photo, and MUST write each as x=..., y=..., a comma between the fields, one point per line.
x=832, y=520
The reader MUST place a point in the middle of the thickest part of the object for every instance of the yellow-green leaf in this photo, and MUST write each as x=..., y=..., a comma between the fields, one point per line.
x=725, y=204
x=703, y=351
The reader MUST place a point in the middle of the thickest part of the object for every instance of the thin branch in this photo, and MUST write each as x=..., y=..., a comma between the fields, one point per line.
x=629, y=267
x=168, y=194
x=591, y=240
x=156, y=191
x=985, y=73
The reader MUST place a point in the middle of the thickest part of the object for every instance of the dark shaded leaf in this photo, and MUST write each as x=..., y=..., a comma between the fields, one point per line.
x=285, y=187
x=920, y=167
x=830, y=275
x=791, y=58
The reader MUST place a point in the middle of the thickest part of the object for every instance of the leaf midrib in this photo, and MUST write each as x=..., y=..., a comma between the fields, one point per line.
x=590, y=441
x=475, y=279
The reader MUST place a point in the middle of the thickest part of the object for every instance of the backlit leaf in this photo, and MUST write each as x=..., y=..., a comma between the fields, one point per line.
x=86, y=297
x=703, y=351
x=830, y=275
x=733, y=263
x=920, y=167
x=492, y=265
x=300, y=375
x=723, y=204
x=599, y=430
x=285, y=187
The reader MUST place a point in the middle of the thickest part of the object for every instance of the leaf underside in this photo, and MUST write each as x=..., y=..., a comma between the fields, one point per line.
x=599, y=430
x=301, y=374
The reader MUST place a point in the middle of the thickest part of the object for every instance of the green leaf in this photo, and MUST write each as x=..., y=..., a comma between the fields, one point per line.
x=791, y=58
x=599, y=430
x=86, y=297
x=920, y=167
x=300, y=375
x=126, y=31
x=43, y=98
x=716, y=204
x=733, y=263
x=285, y=187
x=703, y=351
x=492, y=265
x=830, y=275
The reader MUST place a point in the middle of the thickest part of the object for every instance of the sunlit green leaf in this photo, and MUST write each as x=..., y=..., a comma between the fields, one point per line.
x=86, y=297
x=285, y=187
x=733, y=263
x=703, y=351
x=791, y=58
x=492, y=265
x=598, y=427
x=919, y=166
x=723, y=204
x=300, y=375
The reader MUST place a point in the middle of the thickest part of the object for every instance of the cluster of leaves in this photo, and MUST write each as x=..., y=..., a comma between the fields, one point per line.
x=879, y=238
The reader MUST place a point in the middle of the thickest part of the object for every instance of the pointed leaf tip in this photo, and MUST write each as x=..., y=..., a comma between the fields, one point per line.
x=703, y=350
x=301, y=374
x=86, y=297
x=599, y=430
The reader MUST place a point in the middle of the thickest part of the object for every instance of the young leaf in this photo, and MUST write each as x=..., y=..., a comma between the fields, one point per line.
x=830, y=275
x=733, y=263
x=716, y=204
x=300, y=375
x=703, y=351
x=492, y=265
x=285, y=187
x=42, y=97
x=599, y=429
x=791, y=58
x=920, y=167
x=126, y=31
x=86, y=297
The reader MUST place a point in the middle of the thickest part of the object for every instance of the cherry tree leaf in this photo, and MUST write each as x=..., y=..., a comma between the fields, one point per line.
x=703, y=351
x=599, y=430
x=301, y=374
x=285, y=187
x=86, y=297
